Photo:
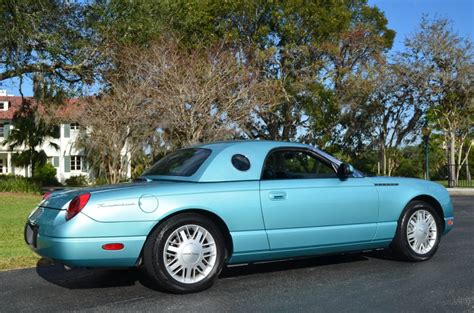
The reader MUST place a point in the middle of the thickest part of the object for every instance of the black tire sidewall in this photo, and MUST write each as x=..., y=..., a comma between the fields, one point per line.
x=402, y=244
x=153, y=253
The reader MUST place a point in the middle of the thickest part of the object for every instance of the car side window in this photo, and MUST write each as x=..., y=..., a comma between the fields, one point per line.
x=295, y=164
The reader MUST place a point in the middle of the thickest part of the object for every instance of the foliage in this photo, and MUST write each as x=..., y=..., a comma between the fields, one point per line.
x=100, y=181
x=46, y=175
x=10, y=183
x=314, y=71
x=444, y=63
x=77, y=181
x=388, y=117
x=140, y=162
x=188, y=96
x=48, y=37
x=30, y=131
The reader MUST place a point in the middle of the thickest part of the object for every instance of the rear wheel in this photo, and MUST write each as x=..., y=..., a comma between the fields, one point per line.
x=418, y=232
x=185, y=254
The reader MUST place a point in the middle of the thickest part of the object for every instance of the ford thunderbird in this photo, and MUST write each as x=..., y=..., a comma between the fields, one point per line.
x=200, y=208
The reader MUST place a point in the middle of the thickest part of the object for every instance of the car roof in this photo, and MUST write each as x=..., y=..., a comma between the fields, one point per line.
x=262, y=144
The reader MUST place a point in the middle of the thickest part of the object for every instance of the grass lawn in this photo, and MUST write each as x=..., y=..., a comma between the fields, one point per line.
x=14, y=209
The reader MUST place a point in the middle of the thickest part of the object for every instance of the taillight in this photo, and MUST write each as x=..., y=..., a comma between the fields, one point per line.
x=46, y=195
x=76, y=205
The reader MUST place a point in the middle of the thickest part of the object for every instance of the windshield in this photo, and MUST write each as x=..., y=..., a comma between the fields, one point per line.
x=183, y=162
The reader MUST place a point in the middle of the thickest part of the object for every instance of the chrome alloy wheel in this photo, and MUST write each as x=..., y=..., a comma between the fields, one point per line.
x=421, y=231
x=190, y=254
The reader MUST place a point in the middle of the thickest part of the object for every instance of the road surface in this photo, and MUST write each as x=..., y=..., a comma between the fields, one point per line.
x=344, y=283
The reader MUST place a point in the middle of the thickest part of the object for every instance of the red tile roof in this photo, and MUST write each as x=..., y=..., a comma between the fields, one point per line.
x=65, y=112
x=14, y=104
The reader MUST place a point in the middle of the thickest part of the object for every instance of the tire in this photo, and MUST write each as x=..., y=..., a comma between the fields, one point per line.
x=418, y=233
x=184, y=254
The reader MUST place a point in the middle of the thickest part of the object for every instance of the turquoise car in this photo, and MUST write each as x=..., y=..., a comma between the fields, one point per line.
x=200, y=208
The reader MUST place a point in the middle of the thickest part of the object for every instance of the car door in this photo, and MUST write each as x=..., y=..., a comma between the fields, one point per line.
x=305, y=204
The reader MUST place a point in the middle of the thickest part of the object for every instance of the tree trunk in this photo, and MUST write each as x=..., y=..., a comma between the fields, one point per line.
x=452, y=179
x=468, y=172
x=32, y=164
x=383, y=160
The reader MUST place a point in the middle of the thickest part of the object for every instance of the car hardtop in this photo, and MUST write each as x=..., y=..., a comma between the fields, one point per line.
x=218, y=165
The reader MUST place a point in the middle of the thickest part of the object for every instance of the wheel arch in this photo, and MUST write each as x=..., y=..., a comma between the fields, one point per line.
x=210, y=215
x=434, y=203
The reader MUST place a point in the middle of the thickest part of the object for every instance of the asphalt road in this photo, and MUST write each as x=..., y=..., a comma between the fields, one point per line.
x=344, y=283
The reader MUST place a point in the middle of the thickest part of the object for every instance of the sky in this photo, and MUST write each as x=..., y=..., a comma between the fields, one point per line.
x=403, y=16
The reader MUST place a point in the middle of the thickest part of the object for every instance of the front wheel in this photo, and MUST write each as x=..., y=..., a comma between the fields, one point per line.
x=418, y=232
x=185, y=254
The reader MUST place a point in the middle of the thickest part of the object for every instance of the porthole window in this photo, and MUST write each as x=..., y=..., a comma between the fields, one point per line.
x=240, y=162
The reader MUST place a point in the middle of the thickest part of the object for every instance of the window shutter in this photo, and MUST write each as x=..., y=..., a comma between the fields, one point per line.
x=6, y=130
x=67, y=130
x=67, y=164
x=56, y=161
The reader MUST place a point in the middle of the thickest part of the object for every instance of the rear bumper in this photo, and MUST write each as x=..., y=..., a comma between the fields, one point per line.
x=88, y=252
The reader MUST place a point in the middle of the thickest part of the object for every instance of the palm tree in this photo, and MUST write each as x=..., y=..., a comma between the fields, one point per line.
x=30, y=131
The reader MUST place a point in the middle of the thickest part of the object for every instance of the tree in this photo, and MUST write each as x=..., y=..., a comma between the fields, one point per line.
x=32, y=132
x=446, y=60
x=48, y=37
x=351, y=57
x=117, y=123
x=305, y=51
x=314, y=50
x=390, y=115
x=164, y=97
x=202, y=95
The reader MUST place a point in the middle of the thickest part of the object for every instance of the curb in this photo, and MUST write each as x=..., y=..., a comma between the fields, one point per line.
x=461, y=191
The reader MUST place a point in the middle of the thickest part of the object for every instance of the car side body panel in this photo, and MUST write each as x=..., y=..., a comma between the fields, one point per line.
x=318, y=212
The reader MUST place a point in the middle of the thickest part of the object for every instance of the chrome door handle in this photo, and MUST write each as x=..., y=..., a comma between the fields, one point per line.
x=279, y=195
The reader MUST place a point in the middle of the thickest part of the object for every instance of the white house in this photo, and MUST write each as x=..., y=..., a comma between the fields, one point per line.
x=68, y=160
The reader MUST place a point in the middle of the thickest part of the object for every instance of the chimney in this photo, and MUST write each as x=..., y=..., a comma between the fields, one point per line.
x=3, y=93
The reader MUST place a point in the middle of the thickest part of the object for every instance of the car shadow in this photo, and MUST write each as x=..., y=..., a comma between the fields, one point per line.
x=85, y=278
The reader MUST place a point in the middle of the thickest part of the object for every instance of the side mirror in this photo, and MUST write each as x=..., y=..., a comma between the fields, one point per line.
x=345, y=170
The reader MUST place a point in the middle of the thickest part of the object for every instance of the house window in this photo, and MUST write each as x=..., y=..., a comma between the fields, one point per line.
x=1, y=166
x=76, y=164
x=2, y=130
x=3, y=105
x=74, y=126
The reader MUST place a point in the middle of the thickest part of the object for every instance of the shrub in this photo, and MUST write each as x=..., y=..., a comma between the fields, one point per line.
x=45, y=175
x=77, y=181
x=10, y=183
x=99, y=181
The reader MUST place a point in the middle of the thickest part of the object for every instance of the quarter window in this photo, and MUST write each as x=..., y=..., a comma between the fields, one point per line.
x=183, y=162
x=295, y=164
x=76, y=163
x=240, y=162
